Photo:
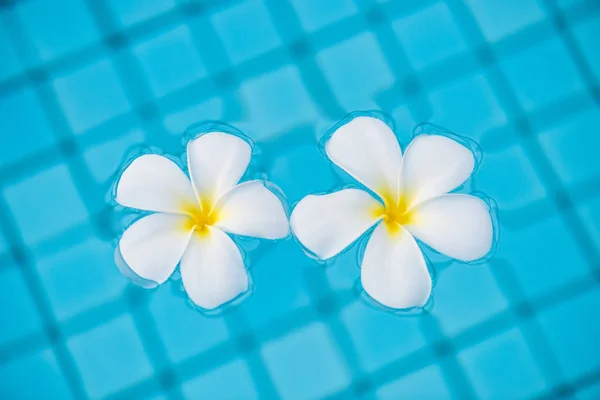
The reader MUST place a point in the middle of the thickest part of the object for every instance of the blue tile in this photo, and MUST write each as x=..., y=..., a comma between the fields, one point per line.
x=242, y=40
x=110, y=357
x=573, y=332
x=466, y=106
x=58, y=28
x=343, y=271
x=22, y=112
x=184, y=331
x=34, y=376
x=572, y=146
x=286, y=265
x=184, y=65
x=466, y=295
x=105, y=158
x=81, y=277
x=45, y=204
x=380, y=337
x=129, y=12
x=217, y=383
x=427, y=383
x=356, y=87
x=591, y=392
x=499, y=19
x=275, y=103
x=11, y=64
x=429, y=35
x=587, y=34
x=543, y=256
x=590, y=215
x=537, y=82
x=315, y=14
x=502, y=368
x=213, y=109
x=91, y=95
x=301, y=374
x=19, y=312
x=508, y=177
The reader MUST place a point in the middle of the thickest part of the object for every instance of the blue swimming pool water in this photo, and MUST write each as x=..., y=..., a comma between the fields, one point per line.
x=85, y=84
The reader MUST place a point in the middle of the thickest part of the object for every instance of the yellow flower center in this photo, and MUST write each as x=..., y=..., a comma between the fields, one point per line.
x=395, y=212
x=202, y=215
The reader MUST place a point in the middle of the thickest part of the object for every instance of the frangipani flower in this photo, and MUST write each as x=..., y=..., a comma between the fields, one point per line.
x=190, y=220
x=412, y=201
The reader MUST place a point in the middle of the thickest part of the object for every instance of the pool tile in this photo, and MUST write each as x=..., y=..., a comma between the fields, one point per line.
x=355, y=88
x=45, y=204
x=316, y=14
x=573, y=331
x=301, y=374
x=429, y=35
x=110, y=357
x=11, y=65
x=591, y=392
x=91, y=95
x=184, y=331
x=22, y=112
x=217, y=383
x=213, y=109
x=33, y=376
x=572, y=146
x=380, y=337
x=56, y=31
x=129, y=12
x=536, y=82
x=18, y=312
x=502, y=368
x=586, y=34
x=427, y=383
x=589, y=213
x=81, y=277
x=242, y=40
x=499, y=19
x=183, y=67
x=104, y=159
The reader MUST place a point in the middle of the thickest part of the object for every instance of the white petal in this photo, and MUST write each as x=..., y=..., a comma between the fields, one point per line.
x=212, y=270
x=367, y=149
x=154, y=183
x=434, y=165
x=327, y=224
x=457, y=225
x=250, y=209
x=216, y=162
x=153, y=245
x=393, y=270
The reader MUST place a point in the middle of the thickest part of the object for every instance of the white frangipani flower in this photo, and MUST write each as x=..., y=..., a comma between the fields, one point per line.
x=413, y=201
x=190, y=220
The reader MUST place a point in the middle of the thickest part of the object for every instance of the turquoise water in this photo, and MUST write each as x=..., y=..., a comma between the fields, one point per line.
x=86, y=85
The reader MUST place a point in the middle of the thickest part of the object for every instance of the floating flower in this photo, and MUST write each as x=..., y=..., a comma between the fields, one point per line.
x=190, y=220
x=412, y=201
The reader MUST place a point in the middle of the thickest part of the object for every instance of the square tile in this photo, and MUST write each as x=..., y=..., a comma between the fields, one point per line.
x=536, y=82
x=573, y=331
x=129, y=12
x=58, y=29
x=427, y=383
x=355, y=88
x=316, y=14
x=34, y=376
x=245, y=40
x=81, y=277
x=105, y=158
x=110, y=357
x=180, y=325
x=217, y=383
x=499, y=19
x=571, y=147
x=543, y=256
x=465, y=295
x=215, y=109
x=591, y=392
x=587, y=34
x=429, y=35
x=22, y=112
x=502, y=367
x=45, y=204
x=170, y=60
x=91, y=95
x=11, y=64
x=466, y=106
x=380, y=337
x=590, y=215
x=301, y=374
x=18, y=312
x=508, y=177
